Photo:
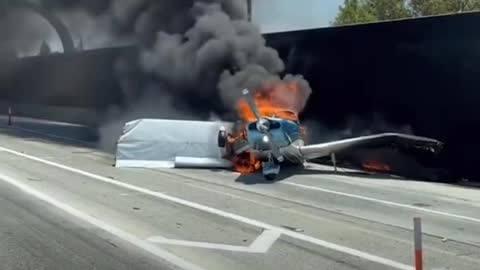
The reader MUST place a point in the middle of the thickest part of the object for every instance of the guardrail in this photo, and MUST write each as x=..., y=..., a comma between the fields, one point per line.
x=74, y=115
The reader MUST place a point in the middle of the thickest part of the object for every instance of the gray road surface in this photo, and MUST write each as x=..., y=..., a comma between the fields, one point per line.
x=64, y=206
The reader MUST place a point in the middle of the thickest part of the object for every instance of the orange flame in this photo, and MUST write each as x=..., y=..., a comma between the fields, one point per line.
x=276, y=99
x=246, y=163
x=376, y=166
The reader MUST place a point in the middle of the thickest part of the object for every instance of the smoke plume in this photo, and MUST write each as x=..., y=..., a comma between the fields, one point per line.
x=151, y=107
x=201, y=52
x=195, y=56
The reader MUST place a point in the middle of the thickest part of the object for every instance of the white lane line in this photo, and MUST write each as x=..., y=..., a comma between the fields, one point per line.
x=158, y=252
x=265, y=241
x=205, y=245
x=252, y=222
x=261, y=245
x=383, y=202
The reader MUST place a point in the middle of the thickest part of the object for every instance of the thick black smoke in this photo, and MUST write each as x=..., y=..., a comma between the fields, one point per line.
x=215, y=45
x=195, y=56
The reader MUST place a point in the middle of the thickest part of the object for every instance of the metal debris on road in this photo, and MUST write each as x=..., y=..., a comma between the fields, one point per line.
x=293, y=229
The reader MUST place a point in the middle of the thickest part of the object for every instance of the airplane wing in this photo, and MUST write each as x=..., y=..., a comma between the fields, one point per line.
x=325, y=149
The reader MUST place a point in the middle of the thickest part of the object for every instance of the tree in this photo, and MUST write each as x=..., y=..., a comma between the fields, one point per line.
x=389, y=9
x=436, y=7
x=361, y=11
x=354, y=11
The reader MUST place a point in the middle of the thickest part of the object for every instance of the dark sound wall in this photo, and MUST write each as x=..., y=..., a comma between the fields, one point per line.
x=80, y=79
x=424, y=73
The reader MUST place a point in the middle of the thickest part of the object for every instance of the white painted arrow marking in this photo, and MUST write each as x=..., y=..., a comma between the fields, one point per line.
x=261, y=245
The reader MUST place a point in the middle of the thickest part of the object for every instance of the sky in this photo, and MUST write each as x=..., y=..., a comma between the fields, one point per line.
x=284, y=15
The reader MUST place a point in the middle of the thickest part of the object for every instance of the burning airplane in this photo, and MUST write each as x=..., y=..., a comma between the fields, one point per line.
x=268, y=136
x=271, y=135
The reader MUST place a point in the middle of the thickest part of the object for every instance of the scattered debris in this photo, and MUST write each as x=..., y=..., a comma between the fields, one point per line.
x=293, y=229
x=421, y=204
x=112, y=244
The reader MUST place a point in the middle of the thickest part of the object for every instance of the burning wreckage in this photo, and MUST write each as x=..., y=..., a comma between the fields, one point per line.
x=269, y=135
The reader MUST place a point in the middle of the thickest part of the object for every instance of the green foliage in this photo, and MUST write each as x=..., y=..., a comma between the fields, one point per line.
x=436, y=7
x=362, y=11
x=355, y=11
x=389, y=9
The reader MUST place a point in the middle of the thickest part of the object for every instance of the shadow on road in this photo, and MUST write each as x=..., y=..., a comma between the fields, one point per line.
x=287, y=172
x=54, y=132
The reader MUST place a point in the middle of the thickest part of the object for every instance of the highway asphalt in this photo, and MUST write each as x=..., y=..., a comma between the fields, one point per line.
x=64, y=206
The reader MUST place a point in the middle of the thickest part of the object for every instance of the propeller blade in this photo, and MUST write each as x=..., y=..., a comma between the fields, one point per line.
x=251, y=102
x=262, y=124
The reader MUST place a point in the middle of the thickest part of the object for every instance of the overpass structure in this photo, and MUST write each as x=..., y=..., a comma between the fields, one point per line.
x=61, y=29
